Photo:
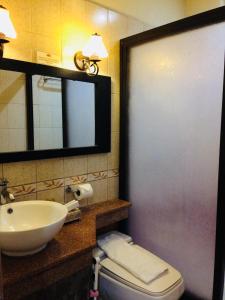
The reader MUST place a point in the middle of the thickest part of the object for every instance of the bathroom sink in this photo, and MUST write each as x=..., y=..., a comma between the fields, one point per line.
x=26, y=227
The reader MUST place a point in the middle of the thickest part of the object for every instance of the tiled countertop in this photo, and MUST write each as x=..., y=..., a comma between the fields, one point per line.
x=69, y=252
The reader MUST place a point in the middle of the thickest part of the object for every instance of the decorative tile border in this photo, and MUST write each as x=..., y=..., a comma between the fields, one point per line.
x=50, y=184
x=113, y=173
x=76, y=179
x=97, y=176
x=27, y=189
x=23, y=189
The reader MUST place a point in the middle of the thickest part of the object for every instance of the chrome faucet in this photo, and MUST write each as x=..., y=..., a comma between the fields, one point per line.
x=5, y=195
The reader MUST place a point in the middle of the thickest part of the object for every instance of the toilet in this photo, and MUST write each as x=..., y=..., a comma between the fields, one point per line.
x=116, y=283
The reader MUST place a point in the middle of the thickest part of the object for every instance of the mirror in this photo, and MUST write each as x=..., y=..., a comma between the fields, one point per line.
x=13, y=132
x=51, y=112
x=47, y=112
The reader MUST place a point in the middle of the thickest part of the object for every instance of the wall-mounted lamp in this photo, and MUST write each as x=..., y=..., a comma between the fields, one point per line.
x=7, y=29
x=93, y=52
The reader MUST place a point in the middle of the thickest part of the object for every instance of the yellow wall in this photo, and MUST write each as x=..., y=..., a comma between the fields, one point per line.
x=61, y=27
x=193, y=7
x=152, y=12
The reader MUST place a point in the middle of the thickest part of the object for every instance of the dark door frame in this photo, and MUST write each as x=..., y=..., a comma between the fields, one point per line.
x=204, y=19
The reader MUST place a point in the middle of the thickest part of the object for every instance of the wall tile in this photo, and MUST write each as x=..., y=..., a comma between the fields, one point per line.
x=134, y=26
x=113, y=188
x=96, y=19
x=50, y=184
x=74, y=30
x=97, y=176
x=46, y=17
x=49, y=169
x=20, y=172
x=20, y=48
x=1, y=171
x=113, y=173
x=17, y=139
x=16, y=116
x=32, y=196
x=100, y=191
x=22, y=190
x=12, y=87
x=113, y=157
x=115, y=112
x=3, y=116
x=97, y=163
x=117, y=26
x=114, y=67
x=75, y=166
x=47, y=44
x=20, y=13
x=4, y=140
x=56, y=195
x=73, y=180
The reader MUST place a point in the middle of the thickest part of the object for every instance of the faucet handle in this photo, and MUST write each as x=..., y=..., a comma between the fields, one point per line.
x=3, y=181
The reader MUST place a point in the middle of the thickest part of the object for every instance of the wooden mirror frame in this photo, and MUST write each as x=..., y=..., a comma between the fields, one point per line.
x=102, y=111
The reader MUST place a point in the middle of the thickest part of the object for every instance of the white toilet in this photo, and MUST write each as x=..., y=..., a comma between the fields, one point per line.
x=116, y=283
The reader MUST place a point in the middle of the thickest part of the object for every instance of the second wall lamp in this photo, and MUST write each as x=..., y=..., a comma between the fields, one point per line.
x=7, y=29
x=92, y=53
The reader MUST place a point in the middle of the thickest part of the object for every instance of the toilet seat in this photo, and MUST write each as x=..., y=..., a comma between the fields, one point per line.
x=160, y=286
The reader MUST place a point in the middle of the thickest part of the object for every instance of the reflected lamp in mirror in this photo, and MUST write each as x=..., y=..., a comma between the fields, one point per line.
x=92, y=53
x=7, y=29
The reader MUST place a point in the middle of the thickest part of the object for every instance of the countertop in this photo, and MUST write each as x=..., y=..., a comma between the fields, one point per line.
x=72, y=245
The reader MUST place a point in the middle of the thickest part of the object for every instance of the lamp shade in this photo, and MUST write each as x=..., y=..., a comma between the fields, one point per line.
x=7, y=29
x=95, y=48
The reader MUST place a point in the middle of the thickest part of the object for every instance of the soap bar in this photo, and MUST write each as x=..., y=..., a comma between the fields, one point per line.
x=73, y=215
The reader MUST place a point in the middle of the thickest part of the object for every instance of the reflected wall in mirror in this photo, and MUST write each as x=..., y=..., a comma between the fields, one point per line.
x=79, y=113
x=47, y=112
x=13, y=132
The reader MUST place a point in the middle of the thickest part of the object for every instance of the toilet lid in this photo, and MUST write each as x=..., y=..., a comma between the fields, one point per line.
x=161, y=285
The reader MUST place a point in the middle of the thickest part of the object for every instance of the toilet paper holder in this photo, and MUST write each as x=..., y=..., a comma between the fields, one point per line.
x=73, y=191
x=81, y=191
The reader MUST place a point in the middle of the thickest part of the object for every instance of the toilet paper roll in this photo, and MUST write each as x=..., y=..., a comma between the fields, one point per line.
x=83, y=191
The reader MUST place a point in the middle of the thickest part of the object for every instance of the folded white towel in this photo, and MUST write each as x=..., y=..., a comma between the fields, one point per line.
x=143, y=265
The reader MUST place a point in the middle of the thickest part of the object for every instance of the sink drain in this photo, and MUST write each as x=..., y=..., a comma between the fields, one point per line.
x=9, y=210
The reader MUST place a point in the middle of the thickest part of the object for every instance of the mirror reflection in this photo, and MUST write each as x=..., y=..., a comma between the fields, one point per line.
x=80, y=113
x=47, y=112
x=13, y=132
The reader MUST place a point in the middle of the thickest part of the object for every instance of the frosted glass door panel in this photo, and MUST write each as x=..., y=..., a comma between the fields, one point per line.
x=176, y=86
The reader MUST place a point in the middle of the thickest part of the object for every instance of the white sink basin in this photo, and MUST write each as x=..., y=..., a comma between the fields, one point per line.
x=26, y=227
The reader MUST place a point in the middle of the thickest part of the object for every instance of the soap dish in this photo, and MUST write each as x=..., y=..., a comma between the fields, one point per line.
x=73, y=215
